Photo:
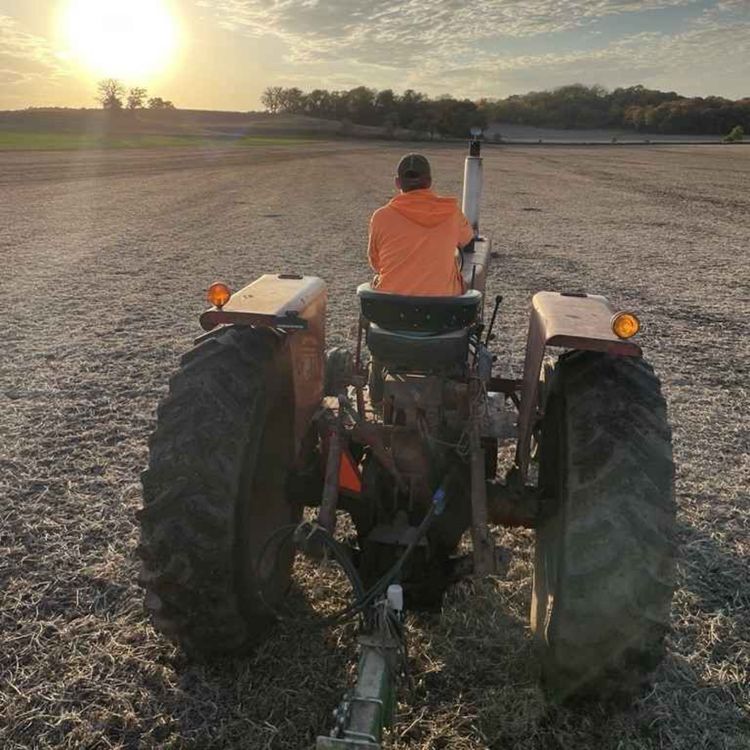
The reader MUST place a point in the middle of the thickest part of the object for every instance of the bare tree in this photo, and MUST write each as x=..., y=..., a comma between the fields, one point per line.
x=137, y=98
x=110, y=93
x=271, y=98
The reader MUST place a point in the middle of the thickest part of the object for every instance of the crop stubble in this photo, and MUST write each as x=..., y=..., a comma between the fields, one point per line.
x=105, y=259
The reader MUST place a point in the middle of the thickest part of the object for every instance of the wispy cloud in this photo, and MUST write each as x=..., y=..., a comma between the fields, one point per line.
x=346, y=18
x=451, y=43
x=25, y=59
x=15, y=43
x=10, y=77
x=408, y=29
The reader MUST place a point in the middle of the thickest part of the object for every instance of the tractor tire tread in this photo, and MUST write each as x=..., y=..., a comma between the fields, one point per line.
x=189, y=489
x=604, y=630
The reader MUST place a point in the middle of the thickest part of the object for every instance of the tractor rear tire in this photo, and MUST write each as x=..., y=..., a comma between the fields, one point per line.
x=215, y=491
x=376, y=382
x=605, y=551
x=339, y=371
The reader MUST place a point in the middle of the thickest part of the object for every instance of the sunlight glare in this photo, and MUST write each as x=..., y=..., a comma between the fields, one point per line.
x=121, y=38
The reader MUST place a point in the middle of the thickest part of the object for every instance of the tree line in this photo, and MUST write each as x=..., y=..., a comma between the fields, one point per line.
x=112, y=95
x=411, y=110
x=574, y=106
x=632, y=108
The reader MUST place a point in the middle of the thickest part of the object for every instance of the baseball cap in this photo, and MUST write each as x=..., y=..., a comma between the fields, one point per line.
x=413, y=170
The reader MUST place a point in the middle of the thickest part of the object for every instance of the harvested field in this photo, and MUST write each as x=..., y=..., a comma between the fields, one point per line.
x=105, y=258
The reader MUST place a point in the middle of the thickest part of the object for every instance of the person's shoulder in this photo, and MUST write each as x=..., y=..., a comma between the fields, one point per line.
x=381, y=213
x=448, y=201
x=447, y=198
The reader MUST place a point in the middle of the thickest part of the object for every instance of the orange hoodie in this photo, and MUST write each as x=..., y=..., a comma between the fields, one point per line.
x=413, y=242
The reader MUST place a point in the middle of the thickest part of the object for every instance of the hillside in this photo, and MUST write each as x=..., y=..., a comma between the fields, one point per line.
x=81, y=128
x=179, y=122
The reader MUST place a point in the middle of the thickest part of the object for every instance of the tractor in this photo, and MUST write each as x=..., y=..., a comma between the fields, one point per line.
x=402, y=433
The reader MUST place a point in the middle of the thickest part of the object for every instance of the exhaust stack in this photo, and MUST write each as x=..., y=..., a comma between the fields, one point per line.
x=472, y=196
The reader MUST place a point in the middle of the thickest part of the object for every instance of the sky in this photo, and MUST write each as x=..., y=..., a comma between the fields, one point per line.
x=221, y=54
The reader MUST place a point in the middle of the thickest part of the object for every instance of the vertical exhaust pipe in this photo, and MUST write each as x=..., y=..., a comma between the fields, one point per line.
x=472, y=195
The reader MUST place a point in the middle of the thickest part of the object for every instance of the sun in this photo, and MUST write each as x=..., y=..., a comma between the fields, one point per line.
x=130, y=39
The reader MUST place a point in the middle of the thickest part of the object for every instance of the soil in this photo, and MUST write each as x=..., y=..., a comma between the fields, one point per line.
x=105, y=260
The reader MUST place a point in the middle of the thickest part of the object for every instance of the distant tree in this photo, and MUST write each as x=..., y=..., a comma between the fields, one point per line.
x=735, y=135
x=157, y=102
x=411, y=106
x=361, y=105
x=386, y=106
x=292, y=101
x=110, y=93
x=318, y=103
x=271, y=98
x=573, y=106
x=339, y=105
x=457, y=118
x=137, y=98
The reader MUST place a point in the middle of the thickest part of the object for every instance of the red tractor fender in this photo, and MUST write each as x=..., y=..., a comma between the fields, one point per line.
x=572, y=321
x=295, y=307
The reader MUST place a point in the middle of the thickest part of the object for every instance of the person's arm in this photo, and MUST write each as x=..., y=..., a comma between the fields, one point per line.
x=465, y=230
x=372, y=247
x=459, y=274
x=465, y=238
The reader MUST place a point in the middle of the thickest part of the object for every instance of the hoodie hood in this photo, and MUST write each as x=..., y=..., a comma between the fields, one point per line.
x=424, y=207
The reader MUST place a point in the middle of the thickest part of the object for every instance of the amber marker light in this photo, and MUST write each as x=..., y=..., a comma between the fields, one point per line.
x=218, y=294
x=625, y=325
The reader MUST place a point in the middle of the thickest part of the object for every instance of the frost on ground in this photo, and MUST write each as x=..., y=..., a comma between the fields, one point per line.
x=105, y=258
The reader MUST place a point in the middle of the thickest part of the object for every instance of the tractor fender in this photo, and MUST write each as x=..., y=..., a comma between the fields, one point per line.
x=572, y=321
x=295, y=307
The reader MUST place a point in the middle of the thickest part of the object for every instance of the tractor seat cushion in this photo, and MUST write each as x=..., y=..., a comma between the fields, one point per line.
x=444, y=353
x=397, y=312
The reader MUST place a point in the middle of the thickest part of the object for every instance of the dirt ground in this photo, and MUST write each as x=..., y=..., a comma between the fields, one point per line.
x=105, y=258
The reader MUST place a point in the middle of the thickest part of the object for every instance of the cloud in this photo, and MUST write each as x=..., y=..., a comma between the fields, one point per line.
x=691, y=62
x=19, y=44
x=10, y=77
x=346, y=18
x=25, y=56
x=451, y=44
x=405, y=31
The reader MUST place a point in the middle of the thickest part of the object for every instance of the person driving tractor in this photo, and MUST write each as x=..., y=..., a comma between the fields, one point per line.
x=413, y=238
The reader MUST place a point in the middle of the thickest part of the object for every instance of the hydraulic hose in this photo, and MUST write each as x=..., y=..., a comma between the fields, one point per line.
x=362, y=598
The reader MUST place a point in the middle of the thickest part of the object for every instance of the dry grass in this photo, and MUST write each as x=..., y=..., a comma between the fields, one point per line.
x=96, y=128
x=105, y=260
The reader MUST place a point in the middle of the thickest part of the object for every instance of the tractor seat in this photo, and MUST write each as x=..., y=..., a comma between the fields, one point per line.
x=399, y=312
x=425, y=334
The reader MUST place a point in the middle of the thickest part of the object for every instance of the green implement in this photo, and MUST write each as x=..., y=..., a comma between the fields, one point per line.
x=368, y=708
